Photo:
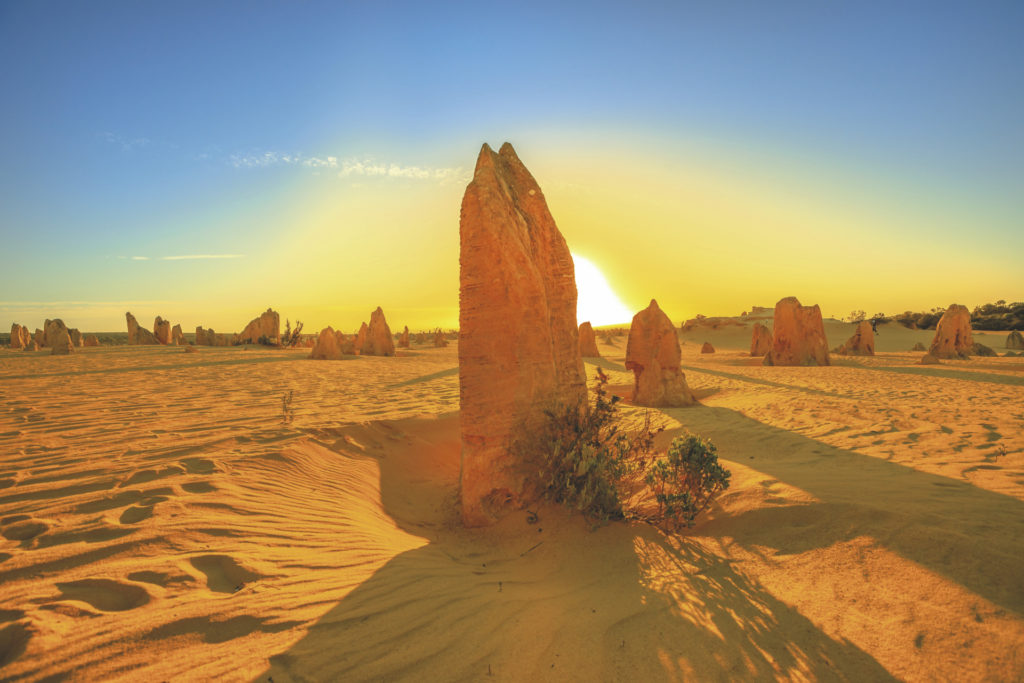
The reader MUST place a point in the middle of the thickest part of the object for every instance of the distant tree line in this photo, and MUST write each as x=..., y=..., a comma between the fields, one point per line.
x=997, y=316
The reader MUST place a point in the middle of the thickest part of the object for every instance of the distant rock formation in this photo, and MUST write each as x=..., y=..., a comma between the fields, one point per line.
x=440, y=341
x=326, y=346
x=19, y=336
x=267, y=325
x=76, y=337
x=519, y=349
x=928, y=359
x=378, y=341
x=91, y=340
x=162, y=330
x=138, y=335
x=707, y=348
x=31, y=346
x=1014, y=340
x=652, y=353
x=177, y=336
x=760, y=340
x=361, y=337
x=953, y=334
x=918, y=347
x=53, y=332
x=201, y=338
x=798, y=335
x=862, y=343
x=979, y=349
x=588, y=344
x=58, y=338
x=403, y=341
x=39, y=337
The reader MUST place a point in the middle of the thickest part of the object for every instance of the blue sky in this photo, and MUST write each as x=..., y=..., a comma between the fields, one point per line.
x=135, y=128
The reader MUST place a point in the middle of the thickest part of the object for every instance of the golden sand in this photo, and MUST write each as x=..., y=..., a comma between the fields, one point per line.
x=163, y=518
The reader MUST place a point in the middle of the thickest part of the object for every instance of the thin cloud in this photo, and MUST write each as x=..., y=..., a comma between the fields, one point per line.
x=127, y=144
x=350, y=167
x=188, y=257
x=140, y=258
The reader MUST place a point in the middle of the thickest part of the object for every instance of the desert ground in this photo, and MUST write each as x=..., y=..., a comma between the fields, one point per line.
x=170, y=515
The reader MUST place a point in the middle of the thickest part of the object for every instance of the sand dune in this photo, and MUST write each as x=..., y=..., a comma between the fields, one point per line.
x=161, y=518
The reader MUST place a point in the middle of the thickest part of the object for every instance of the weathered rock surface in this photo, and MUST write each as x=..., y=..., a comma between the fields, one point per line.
x=928, y=359
x=979, y=349
x=326, y=347
x=57, y=337
x=19, y=336
x=403, y=341
x=707, y=348
x=267, y=325
x=54, y=332
x=177, y=336
x=162, y=330
x=953, y=334
x=588, y=343
x=361, y=337
x=760, y=340
x=798, y=335
x=31, y=346
x=201, y=336
x=1014, y=340
x=90, y=340
x=377, y=341
x=39, y=337
x=138, y=335
x=862, y=343
x=76, y=337
x=519, y=349
x=652, y=353
x=440, y=341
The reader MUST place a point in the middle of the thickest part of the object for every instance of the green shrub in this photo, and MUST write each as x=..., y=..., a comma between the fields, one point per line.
x=687, y=480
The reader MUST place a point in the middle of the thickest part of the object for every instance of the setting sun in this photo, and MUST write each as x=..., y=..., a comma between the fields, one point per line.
x=597, y=302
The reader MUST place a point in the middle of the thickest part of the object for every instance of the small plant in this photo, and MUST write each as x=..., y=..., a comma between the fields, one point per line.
x=687, y=480
x=581, y=458
x=291, y=337
x=288, y=413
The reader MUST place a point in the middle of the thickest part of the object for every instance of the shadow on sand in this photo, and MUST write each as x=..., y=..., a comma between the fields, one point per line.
x=554, y=600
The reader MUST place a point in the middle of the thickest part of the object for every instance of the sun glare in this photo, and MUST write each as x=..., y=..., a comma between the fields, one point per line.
x=596, y=301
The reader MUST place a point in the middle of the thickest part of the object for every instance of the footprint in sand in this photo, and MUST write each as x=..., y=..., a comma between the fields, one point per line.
x=13, y=641
x=223, y=573
x=106, y=595
x=199, y=466
x=22, y=528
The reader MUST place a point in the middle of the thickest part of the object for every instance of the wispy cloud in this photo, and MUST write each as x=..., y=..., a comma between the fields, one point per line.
x=350, y=166
x=127, y=144
x=140, y=258
x=200, y=256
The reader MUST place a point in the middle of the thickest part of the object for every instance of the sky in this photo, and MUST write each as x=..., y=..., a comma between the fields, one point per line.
x=205, y=160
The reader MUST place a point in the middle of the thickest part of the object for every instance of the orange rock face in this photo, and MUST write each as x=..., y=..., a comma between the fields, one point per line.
x=652, y=353
x=19, y=336
x=201, y=339
x=1014, y=340
x=519, y=348
x=76, y=336
x=403, y=341
x=707, y=348
x=953, y=334
x=162, y=330
x=58, y=338
x=39, y=338
x=588, y=343
x=377, y=341
x=177, y=336
x=798, y=336
x=136, y=334
x=928, y=359
x=361, y=337
x=326, y=347
x=862, y=343
x=90, y=340
x=267, y=325
x=760, y=340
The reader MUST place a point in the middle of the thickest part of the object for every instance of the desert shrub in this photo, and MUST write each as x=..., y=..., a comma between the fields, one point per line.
x=687, y=480
x=580, y=458
x=587, y=461
x=291, y=337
